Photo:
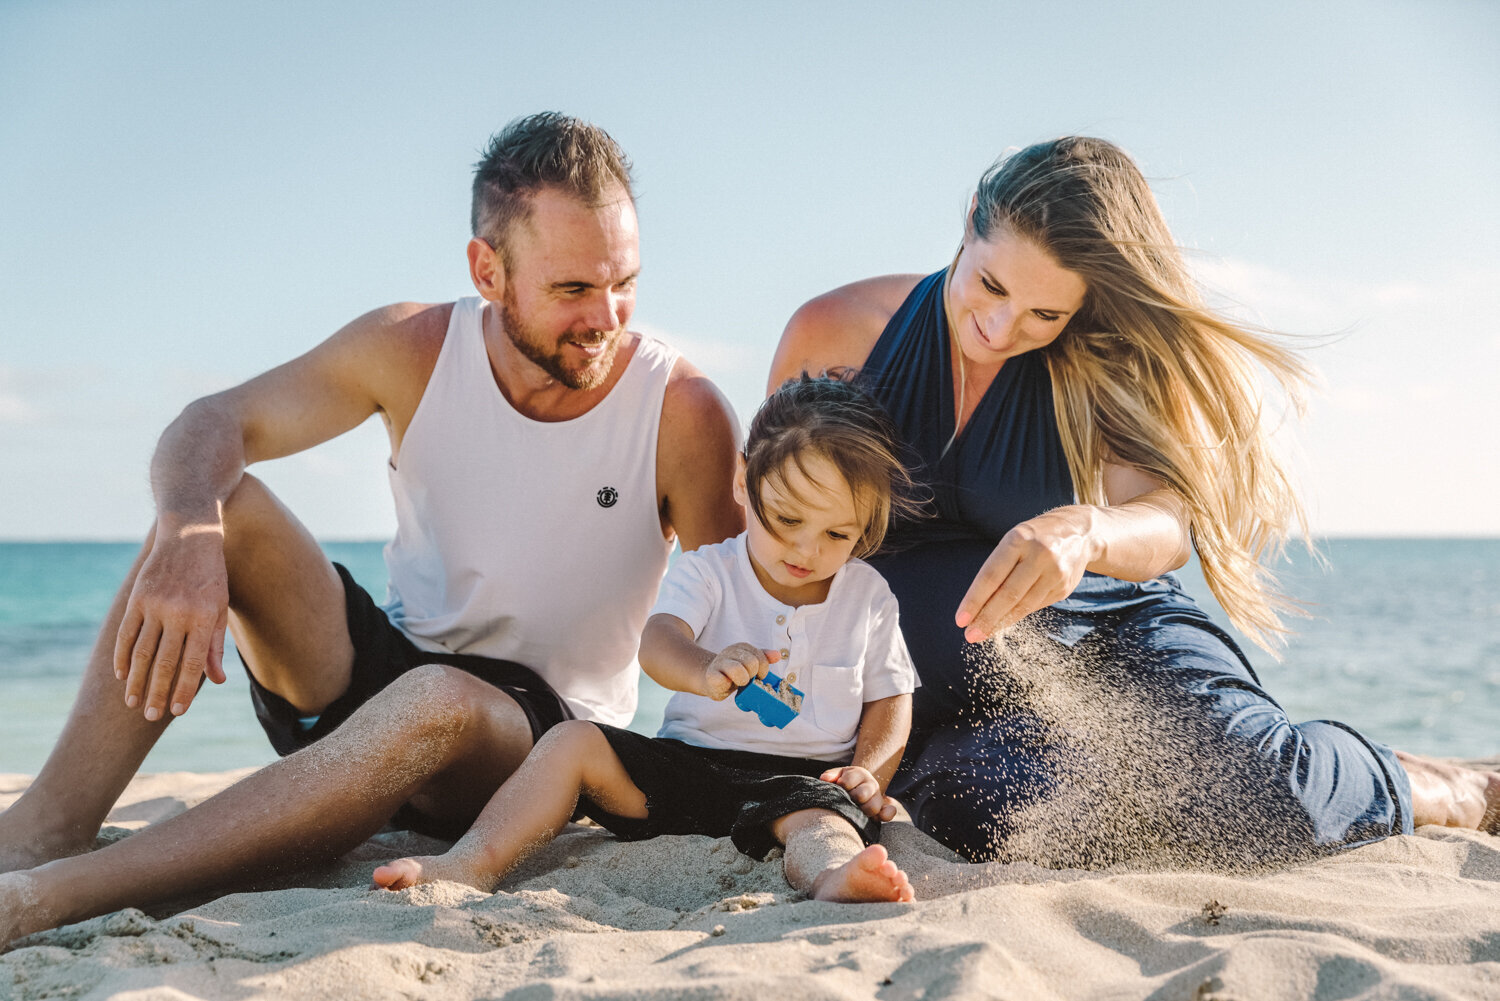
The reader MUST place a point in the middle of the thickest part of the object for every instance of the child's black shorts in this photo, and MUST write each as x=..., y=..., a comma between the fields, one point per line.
x=382, y=653
x=706, y=790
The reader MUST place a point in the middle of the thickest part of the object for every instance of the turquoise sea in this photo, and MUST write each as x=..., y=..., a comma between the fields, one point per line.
x=1404, y=644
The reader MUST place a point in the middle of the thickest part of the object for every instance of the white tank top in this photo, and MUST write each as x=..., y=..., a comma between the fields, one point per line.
x=530, y=541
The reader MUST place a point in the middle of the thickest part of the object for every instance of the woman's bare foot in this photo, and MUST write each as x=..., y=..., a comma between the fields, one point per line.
x=1451, y=795
x=868, y=877
x=405, y=872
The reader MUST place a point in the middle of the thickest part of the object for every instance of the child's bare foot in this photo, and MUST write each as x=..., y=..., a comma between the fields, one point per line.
x=405, y=872
x=867, y=877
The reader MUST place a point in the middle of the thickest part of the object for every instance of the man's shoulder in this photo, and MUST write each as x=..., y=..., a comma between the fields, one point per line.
x=395, y=349
x=693, y=406
x=697, y=439
x=416, y=328
x=386, y=356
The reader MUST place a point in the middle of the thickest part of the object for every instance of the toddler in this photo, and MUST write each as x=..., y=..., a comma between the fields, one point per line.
x=818, y=477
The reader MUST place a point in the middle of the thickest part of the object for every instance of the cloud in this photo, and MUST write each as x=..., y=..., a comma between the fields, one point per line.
x=14, y=410
x=1453, y=306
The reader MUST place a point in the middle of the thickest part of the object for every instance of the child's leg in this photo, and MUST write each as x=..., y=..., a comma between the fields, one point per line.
x=826, y=859
x=526, y=812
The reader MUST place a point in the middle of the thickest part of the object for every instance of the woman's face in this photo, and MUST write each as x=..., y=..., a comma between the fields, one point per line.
x=1007, y=296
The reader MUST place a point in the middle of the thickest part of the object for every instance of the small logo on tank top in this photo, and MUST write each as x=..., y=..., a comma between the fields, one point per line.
x=607, y=496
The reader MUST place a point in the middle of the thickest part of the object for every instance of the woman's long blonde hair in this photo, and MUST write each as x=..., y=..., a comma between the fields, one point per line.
x=1146, y=375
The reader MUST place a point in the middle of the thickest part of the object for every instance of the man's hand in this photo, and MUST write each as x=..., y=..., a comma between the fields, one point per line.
x=172, y=634
x=734, y=668
x=864, y=789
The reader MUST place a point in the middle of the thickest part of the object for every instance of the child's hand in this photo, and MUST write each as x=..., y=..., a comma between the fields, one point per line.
x=733, y=668
x=863, y=789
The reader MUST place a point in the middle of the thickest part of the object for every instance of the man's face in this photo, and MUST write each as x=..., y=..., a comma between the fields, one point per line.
x=570, y=287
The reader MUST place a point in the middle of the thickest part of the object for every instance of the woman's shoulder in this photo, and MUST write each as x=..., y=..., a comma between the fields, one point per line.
x=838, y=328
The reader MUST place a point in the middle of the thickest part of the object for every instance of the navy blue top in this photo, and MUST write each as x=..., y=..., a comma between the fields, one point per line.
x=1007, y=466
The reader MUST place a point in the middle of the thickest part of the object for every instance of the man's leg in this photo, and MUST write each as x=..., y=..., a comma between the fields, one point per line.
x=826, y=859
x=434, y=727
x=286, y=611
x=530, y=809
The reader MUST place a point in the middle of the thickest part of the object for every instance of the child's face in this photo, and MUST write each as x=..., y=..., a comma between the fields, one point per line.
x=816, y=527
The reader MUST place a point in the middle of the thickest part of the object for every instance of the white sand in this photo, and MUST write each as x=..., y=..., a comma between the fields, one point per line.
x=1412, y=917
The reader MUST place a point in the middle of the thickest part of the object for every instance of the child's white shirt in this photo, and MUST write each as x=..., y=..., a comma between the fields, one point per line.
x=845, y=651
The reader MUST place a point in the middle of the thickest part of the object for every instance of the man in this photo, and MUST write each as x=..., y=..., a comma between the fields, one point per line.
x=543, y=460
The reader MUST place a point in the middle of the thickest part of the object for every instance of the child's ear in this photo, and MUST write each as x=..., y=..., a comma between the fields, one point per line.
x=741, y=494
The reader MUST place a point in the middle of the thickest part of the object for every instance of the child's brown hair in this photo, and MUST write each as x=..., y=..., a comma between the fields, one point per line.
x=830, y=416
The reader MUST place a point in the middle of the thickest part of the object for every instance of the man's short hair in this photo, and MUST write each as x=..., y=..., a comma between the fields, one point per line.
x=547, y=149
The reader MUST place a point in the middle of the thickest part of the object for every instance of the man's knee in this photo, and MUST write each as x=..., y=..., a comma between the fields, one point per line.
x=430, y=701
x=249, y=510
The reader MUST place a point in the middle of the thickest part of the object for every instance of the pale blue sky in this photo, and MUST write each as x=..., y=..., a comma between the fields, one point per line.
x=191, y=193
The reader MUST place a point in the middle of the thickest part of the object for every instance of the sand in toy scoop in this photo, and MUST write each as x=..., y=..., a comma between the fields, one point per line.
x=783, y=690
x=771, y=698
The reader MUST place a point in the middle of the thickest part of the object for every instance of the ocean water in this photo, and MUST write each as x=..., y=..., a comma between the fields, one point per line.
x=1403, y=644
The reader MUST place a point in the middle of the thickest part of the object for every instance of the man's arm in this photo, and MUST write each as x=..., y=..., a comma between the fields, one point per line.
x=695, y=451
x=173, y=629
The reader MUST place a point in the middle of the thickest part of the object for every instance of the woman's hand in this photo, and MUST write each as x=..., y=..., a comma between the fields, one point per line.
x=1037, y=563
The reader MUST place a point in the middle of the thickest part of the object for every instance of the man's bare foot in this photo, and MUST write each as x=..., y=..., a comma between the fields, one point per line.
x=22, y=847
x=1451, y=795
x=868, y=877
x=405, y=872
x=21, y=911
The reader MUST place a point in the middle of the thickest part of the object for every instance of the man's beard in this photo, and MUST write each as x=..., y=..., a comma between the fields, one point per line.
x=533, y=348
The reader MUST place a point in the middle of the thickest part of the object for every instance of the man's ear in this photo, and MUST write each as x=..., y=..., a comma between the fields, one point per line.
x=486, y=270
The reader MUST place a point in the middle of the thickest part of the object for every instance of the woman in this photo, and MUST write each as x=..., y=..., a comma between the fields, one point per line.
x=1083, y=420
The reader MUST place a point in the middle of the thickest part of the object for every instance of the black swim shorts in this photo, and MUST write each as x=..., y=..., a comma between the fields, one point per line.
x=382, y=653
x=718, y=792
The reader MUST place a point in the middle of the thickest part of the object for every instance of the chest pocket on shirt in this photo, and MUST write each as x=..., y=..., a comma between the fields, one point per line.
x=835, y=705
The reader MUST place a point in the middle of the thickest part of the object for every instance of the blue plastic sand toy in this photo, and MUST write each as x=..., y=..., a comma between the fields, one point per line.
x=775, y=701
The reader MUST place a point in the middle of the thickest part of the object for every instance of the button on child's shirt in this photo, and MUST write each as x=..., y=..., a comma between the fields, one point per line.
x=780, y=620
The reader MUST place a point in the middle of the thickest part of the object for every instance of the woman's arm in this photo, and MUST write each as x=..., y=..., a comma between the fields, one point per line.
x=1141, y=534
x=883, y=728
